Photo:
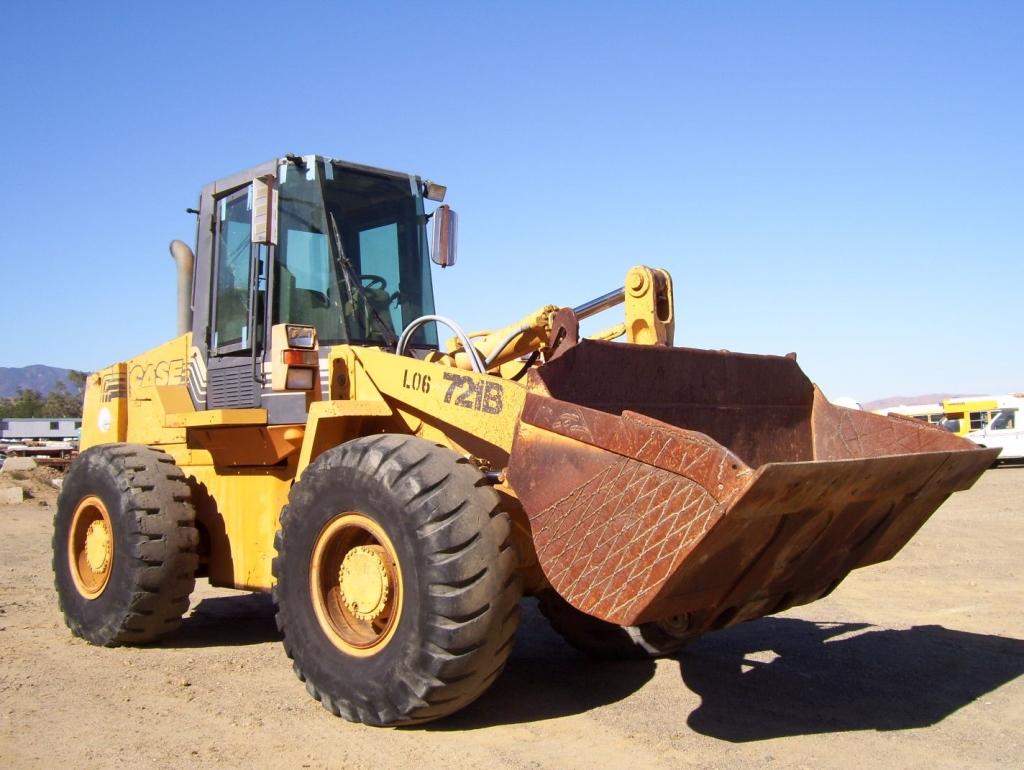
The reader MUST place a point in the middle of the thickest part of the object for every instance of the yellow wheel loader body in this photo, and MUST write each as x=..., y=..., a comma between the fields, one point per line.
x=643, y=483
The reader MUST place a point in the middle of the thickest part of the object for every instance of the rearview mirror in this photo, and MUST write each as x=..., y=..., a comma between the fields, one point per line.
x=444, y=246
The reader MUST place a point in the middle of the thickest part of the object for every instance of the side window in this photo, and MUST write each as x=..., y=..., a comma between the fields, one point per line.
x=234, y=262
x=978, y=420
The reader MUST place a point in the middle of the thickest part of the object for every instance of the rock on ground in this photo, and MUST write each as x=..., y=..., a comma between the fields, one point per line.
x=11, y=495
x=18, y=464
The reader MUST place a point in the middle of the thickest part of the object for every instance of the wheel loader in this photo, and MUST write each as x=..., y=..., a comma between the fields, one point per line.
x=309, y=434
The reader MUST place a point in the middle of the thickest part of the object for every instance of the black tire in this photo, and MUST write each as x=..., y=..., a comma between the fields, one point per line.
x=454, y=564
x=601, y=639
x=150, y=534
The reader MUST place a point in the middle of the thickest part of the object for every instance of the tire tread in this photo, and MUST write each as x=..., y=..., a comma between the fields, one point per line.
x=162, y=558
x=469, y=579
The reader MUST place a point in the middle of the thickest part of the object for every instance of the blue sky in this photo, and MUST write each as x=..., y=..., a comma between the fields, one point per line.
x=843, y=180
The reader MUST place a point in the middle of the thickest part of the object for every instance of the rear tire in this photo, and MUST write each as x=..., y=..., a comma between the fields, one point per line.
x=124, y=545
x=601, y=639
x=396, y=582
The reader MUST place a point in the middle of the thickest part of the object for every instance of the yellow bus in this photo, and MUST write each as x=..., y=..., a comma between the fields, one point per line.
x=966, y=413
x=961, y=414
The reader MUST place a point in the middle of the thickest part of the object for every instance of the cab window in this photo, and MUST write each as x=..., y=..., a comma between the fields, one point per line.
x=234, y=261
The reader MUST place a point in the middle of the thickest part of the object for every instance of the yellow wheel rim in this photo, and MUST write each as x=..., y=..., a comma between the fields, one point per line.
x=356, y=584
x=91, y=547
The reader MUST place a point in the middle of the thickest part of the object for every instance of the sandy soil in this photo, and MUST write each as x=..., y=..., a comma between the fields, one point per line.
x=913, y=663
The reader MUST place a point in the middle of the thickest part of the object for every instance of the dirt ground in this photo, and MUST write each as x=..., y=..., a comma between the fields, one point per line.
x=913, y=663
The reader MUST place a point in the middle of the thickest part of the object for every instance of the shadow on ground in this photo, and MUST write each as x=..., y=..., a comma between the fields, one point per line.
x=227, y=621
x=777, y=677
x=545, y=678
x=770, y=678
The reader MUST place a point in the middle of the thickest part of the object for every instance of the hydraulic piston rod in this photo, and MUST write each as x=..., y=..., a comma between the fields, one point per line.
x=605, y=301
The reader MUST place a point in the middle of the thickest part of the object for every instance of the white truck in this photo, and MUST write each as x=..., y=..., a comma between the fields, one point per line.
x=1005, y=430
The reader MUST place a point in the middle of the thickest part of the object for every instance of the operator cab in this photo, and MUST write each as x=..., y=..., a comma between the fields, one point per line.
x=307, y=241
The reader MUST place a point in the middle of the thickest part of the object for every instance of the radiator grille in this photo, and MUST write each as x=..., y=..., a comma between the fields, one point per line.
x=231, y=388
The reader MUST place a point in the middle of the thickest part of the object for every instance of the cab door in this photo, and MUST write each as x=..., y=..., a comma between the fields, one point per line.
x=1007, y=433
x=234, y=366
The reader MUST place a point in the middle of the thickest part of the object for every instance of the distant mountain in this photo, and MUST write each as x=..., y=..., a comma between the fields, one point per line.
x=885, y=403
x=37, y=377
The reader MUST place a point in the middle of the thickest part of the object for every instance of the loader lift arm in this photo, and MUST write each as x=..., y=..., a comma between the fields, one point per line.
x=649, y=320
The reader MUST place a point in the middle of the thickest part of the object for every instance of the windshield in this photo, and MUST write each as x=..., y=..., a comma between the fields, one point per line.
x=380, y=235
x=1004, y=420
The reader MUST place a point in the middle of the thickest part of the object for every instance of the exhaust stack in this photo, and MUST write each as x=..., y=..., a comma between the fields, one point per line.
x=185, y=260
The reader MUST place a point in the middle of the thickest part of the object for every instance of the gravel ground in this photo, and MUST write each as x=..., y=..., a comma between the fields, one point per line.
x=912, y=663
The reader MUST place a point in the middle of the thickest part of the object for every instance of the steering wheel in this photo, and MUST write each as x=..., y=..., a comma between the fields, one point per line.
x=371, y=281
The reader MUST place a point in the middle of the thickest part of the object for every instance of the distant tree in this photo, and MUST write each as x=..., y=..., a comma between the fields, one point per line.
x=27, y=403
x=60, y=402
x=78, y=379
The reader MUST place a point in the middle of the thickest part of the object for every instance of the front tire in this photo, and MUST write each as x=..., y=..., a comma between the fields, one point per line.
x=396, y=581
x=124, y=545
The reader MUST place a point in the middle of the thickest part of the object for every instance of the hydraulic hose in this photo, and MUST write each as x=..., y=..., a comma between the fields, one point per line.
x=473, y=353
x=504, y=343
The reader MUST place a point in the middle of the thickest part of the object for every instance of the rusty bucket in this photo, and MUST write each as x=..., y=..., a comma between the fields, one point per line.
x=715, y=487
